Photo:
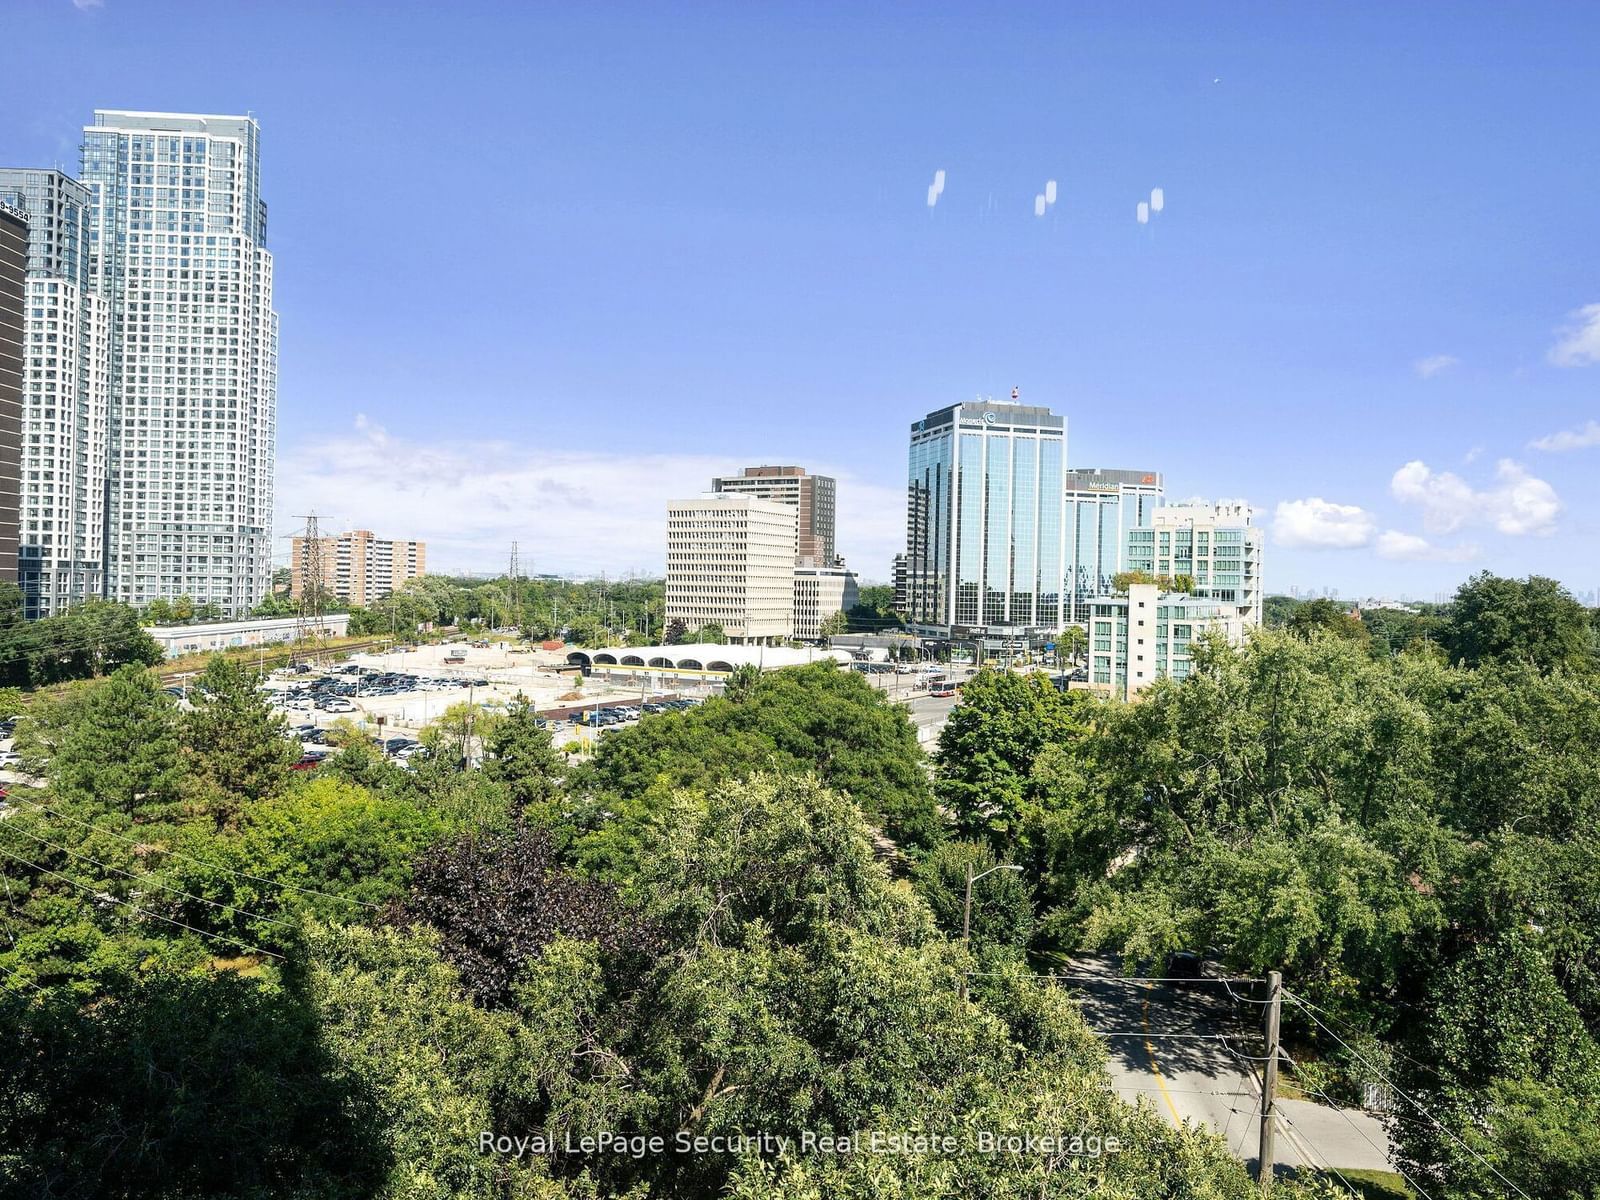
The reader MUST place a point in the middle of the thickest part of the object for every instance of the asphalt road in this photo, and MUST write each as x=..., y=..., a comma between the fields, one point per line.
x=1185, y=1050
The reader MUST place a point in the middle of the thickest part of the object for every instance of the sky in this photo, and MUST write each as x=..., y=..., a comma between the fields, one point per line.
x=541, y=267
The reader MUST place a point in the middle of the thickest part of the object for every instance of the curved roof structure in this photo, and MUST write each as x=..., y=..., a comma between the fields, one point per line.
x=704, y=656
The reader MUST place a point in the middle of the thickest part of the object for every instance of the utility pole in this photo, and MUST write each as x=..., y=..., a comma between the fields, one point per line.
x=1269, y=1081
x=966, y=911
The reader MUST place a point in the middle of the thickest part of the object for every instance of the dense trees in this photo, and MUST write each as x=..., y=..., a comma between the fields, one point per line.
x=1530, y=620
x=347, y=975
x=1328, y=616
x=816, y=718
x=86, y=641
x=874, y=610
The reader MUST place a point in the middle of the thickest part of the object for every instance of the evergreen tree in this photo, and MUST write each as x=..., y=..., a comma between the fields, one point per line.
x=523, y=758
x=120, y=750
x=233, y=742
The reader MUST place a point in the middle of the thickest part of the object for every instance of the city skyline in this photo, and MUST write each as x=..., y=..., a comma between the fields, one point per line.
x=673, y=299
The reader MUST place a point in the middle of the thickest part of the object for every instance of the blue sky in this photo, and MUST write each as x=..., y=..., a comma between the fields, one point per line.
x=541, y=267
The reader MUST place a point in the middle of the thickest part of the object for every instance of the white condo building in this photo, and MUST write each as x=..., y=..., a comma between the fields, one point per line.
x=177, y=251
x=1215, y=544
x=65, y=390
x=730, y=562
x=1147, y=634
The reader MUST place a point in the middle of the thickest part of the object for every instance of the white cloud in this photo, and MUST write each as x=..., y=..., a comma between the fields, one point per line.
x=1579, y=344
x=573, y=511
x=1315, y=522
x=86, y=5
x=1570, y=439
x=1408, y=547
x=1427, y=368
x=1518, y=504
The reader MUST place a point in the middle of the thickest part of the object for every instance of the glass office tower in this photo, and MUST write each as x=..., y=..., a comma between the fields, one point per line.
x=984, y=528
x=177, y=249
x=1102, y=506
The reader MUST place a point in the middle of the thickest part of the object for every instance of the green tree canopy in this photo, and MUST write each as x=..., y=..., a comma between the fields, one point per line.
x=234, y=749
x=120, y=749
x=1533, y=620
x=813, y=718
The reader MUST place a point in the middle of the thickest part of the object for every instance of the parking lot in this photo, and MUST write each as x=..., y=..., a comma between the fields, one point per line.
x=394, y=695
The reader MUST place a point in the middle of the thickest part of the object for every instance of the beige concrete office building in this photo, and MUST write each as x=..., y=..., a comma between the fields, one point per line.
x=813, y=497
x=358, y=568
x=819, y=592
x=730, y=562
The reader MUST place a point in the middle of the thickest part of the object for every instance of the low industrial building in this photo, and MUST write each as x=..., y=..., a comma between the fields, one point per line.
x=697, y=660
x=177, y=640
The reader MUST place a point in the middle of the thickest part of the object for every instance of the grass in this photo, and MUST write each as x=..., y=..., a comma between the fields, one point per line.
x=1373, y=1185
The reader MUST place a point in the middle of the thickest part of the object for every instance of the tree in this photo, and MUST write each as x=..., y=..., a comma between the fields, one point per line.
x=178, y=1084
x=676, y=632
x=1535, y=620
x=814, y=718
x=159, y=612
x=1002, y=914
x=327, y=848
x=1073, y=643
x=708, y=635
x=874, y=610
x=1509, y=1070
x=121, y=749
x=1324, y=615
x=1276, y=611
x=741, y=684
x=11, y=703
x=497, y=901
x=989, y=746
x=521, y=756
x=834, y=624
x=453, y=738
x=434, y=1069
x=234, y=749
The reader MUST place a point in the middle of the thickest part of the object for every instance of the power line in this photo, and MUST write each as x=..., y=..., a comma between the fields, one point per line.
x=147, y=877
x=137, y=908
x=1416, y=1062
x=190, y=858
x=1327, y=1163
x=1088, y=975
x=1351, y=1122
x=1420, y=1107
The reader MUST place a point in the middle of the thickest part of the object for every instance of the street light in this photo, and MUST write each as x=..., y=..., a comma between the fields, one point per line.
x=966, y=910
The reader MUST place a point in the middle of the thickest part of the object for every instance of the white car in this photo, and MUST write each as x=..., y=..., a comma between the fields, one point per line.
x=338, y=706
x=9, y=758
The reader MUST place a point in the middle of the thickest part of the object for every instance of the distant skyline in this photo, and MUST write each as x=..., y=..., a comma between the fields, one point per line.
x=541, y=268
